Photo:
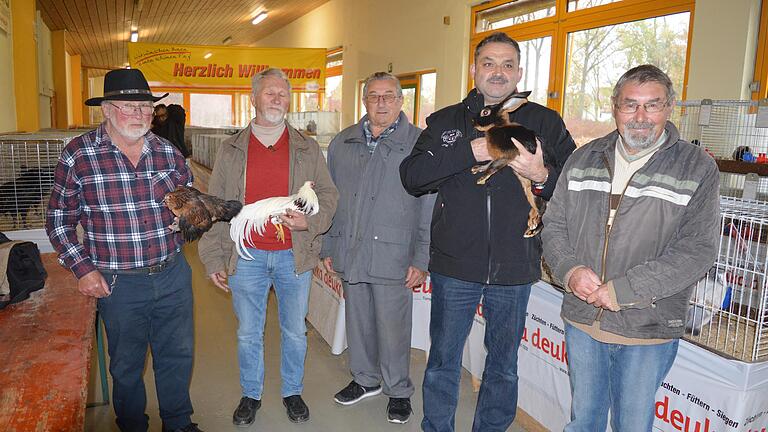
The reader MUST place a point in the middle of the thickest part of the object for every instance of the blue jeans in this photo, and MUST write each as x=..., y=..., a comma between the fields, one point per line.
x=622, y=378
x=454, y=303
x=250, y=289
x=152, y=311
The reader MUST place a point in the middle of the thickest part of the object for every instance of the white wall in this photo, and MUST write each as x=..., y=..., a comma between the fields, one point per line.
x=8, y=105
x=722, y=59
x=409, y=34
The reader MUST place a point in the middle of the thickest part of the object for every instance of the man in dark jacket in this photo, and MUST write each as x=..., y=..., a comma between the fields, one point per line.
x=477, y=247
x=379, y=245
x=633, y=224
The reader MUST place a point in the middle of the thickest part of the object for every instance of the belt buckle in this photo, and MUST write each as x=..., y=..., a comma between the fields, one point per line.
x=157, y=268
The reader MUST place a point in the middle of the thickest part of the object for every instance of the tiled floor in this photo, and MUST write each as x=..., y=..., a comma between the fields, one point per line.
x=215, y=389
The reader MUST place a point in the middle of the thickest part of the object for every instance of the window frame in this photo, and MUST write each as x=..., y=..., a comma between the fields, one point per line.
x=560, y=25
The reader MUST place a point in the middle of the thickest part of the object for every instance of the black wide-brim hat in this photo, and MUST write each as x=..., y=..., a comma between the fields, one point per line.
x=125, y=85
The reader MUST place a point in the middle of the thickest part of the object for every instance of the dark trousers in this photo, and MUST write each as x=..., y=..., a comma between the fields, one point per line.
x=152, y=311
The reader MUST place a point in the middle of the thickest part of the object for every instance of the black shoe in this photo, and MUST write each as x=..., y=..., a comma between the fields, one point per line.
x=245, y=412
x=354, y=393
x=298, y=412
x=192, y=427
x=399, y=410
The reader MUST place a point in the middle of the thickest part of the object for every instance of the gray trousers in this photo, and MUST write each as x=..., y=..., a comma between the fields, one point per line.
x=378, y=322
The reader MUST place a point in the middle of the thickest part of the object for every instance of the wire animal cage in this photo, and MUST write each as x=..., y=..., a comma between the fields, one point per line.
x=27, y=162
x=722, y=126
x=729, y=306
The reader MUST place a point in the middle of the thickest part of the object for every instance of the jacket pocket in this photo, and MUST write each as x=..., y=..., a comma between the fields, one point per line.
x=390, y=253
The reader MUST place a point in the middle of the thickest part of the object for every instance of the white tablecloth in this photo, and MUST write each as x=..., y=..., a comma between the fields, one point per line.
x=702, y=393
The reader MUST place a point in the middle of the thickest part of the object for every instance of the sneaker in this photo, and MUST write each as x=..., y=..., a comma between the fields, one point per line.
x=399, y=410
x=192, y=427
x=298, y=412
x=354, y=393
x=245, y=412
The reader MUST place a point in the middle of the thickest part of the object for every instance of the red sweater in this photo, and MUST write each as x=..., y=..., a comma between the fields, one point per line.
x=266, y=176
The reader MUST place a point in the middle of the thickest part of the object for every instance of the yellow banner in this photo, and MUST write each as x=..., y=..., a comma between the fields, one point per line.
x=200, y=66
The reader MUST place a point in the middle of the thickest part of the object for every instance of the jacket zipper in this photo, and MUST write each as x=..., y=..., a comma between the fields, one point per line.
x=609, y=229
x=488, y=217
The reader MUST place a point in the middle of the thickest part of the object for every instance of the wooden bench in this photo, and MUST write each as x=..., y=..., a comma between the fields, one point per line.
x=45, y=349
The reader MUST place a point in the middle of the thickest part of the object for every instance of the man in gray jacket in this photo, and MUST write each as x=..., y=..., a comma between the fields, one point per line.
x=379, y=245
x=633, y=224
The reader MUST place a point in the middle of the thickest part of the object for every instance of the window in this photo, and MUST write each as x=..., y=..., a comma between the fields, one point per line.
x=597, y=57
x=535, y=55
x=210, y=110
x=172, y=98
x=512, y=13
x=332, y=95
x=586, y=4
x=574, y=51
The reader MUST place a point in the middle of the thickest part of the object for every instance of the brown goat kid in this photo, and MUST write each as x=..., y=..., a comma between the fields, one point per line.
x=499, y=131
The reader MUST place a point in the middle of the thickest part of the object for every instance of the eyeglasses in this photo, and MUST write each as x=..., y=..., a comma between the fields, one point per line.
x=632, y=107
x=387, y=98
x=131, y=109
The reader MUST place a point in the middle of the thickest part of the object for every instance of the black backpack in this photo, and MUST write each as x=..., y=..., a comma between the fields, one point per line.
x=25, y=271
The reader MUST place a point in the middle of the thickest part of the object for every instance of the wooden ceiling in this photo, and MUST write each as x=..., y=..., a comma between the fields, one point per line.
x=99, y=30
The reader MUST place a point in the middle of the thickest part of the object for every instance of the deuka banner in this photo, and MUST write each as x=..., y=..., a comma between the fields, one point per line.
x=225, y=67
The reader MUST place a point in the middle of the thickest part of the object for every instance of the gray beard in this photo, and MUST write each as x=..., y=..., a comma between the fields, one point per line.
x=637, y=141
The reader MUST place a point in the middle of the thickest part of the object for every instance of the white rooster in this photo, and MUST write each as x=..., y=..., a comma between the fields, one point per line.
x=257, y=214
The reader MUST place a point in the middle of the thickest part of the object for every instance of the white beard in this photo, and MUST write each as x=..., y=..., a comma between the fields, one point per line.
x=274, y=116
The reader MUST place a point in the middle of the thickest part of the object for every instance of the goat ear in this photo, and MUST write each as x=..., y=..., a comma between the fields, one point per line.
x=513, y=103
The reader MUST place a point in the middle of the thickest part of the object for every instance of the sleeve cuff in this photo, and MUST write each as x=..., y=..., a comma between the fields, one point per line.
x=612, y=294
x=83, y=268
x=567, y=278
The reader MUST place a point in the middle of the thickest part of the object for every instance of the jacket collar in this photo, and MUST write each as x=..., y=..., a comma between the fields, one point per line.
x=295, y=138
x=474, y=101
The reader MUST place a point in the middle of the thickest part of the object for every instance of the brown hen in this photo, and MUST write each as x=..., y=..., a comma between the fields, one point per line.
x=196, y=212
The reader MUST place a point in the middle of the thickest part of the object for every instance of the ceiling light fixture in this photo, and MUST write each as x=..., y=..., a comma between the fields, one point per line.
x=207, y=55
x=259, y=18
x=227, y=40
x=134, y=36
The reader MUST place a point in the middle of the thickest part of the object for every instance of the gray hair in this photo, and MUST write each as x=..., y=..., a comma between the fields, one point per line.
x=497, y=37
x=380, y=76
x=641, y=75
x=275, y=72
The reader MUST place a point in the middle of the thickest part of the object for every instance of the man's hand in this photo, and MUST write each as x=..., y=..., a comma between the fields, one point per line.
x=328, y=265
x=295, y=221
x=480, y=149
x=583, y=282
x=602, y=299
x=94, y=285
x=220, y=280
x=528, y=165
x=414, y=277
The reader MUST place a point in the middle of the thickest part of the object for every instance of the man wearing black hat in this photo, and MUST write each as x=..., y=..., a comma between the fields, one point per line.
x=112, y=181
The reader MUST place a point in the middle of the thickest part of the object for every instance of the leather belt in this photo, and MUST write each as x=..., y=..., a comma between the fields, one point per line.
x=149, y=270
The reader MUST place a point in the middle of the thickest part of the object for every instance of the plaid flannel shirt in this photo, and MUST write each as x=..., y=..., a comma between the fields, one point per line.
x=120, y=207
x=372, y=141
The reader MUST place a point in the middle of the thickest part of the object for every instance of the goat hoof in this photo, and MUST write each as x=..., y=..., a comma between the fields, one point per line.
x=533, y=232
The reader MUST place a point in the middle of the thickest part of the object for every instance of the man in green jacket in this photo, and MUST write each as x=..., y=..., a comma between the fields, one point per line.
x=632, y=225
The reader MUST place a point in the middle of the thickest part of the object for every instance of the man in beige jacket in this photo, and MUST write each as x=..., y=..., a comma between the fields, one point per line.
x=269, y=158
